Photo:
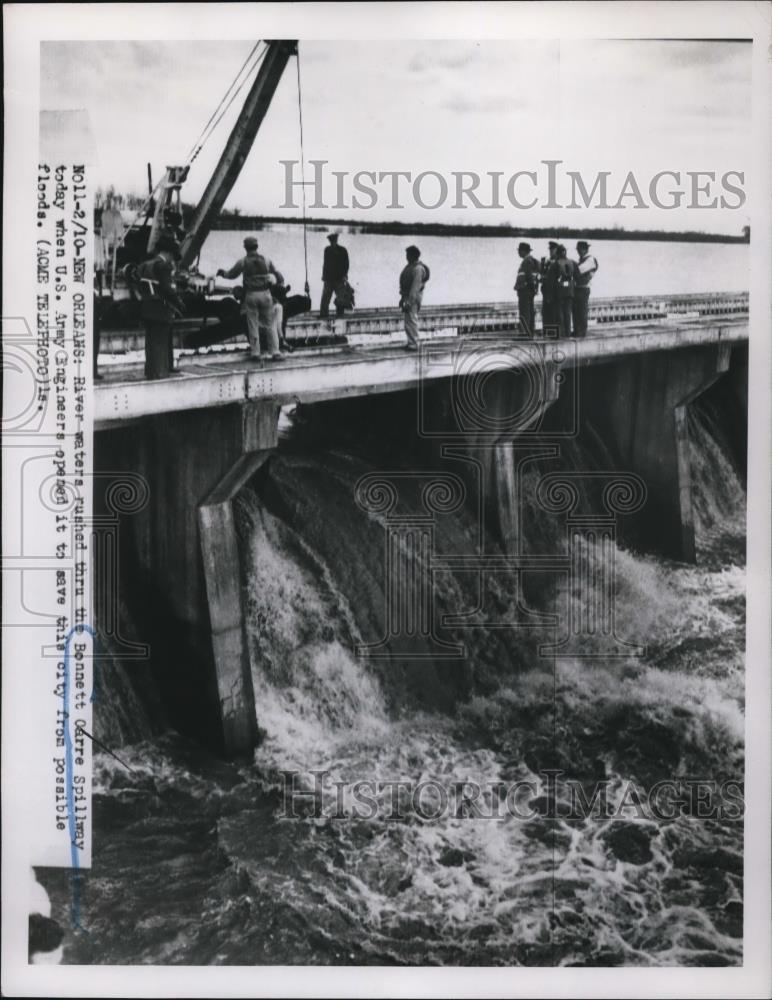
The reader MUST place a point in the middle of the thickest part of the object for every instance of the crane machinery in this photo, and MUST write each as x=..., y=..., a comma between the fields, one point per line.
x=119, y=249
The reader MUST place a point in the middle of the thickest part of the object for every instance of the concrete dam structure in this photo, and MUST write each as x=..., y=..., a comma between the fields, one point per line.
x=482, y=405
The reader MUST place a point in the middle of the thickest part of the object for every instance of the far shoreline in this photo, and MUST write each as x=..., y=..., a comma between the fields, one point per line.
x=257, y=222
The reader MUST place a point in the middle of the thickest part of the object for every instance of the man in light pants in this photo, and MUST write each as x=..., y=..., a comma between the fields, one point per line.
x=258, y=305
x=412, y=280
x=585, y=270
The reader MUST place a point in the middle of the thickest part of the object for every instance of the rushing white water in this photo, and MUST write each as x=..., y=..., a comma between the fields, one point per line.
x=460, y=887
x=215, y=863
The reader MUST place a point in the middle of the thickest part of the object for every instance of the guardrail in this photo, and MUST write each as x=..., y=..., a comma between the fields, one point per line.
x=463, y=319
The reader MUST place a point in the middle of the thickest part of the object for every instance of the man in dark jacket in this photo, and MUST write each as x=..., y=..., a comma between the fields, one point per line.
x=549, y=289
x=159, y=304
x=334, y=272
x=526, y=285
x=291, y=305
x=566, y=280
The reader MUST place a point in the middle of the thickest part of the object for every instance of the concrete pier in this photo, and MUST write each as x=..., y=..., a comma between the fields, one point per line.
x=640, y=404
x=179, y=559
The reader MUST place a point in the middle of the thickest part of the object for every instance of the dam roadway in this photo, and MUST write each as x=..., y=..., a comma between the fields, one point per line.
x=377, y=364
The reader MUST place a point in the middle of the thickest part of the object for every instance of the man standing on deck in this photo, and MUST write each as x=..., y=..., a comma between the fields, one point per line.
x=258, y=306
x=549, y=289
x=566, y=282
x=334, y=273
x=412, y=280
x=585, y=270
x=159, y=304
x=526, y=285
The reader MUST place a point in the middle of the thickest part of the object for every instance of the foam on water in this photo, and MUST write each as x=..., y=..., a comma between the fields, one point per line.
x=202, y=856
x=310, y=689
x=461, y=888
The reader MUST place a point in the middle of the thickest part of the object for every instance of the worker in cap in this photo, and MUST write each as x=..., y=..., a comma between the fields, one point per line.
x=526, y=286
x=566, y=280
x=586, y=268
x=159, y=306
x=334, y=277
x=412, y=281
x=549, y=289
x=258, y=275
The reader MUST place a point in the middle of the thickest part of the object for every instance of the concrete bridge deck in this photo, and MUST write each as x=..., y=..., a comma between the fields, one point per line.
x=313, y=375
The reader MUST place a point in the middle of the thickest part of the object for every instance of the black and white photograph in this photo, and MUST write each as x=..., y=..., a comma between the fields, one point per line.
x=386, y=499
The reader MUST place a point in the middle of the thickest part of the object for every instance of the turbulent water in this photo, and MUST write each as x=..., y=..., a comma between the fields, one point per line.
x=198, y=861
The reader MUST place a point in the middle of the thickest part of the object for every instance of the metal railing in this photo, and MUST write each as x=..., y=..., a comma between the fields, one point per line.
x=466, y=319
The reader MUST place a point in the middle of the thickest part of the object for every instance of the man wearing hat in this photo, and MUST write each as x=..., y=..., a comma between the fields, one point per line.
x=549, y=288
x=412, y=280
x=585, y=269
x=526, y=286
x=334, y=273
x=258, y=306
x=159, y=304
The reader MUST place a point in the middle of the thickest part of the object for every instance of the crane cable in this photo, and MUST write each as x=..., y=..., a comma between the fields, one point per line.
x=202, y=138
x=236, y=93
x=218, y=114
x=302, y=173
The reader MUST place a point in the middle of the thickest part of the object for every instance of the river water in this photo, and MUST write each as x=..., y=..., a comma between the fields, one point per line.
x=198, y=862
x=482, y=269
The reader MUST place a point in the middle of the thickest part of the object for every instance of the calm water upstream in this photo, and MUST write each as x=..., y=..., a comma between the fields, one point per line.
x=482, y=269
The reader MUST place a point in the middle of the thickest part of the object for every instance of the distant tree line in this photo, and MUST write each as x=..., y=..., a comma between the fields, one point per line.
x=234, y=219
x=131, y=202
x=110, y=198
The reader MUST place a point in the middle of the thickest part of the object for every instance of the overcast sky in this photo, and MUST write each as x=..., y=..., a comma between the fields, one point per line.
x=442, y=106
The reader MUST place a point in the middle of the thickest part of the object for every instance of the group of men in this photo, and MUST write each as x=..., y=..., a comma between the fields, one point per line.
x=412, y=281
x=564, y=285
x=160, y=303
x=565, y=289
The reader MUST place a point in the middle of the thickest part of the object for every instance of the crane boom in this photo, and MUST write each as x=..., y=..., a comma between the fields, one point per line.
x=238, y=146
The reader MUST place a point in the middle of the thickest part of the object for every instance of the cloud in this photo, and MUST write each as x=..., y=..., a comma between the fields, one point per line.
x=729, y=114
x=488, y=104
x=690, y=55
x=596, y=104
x=433, y=58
